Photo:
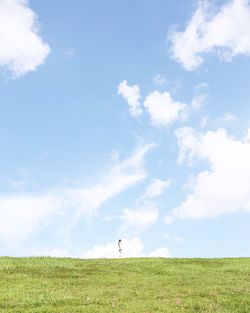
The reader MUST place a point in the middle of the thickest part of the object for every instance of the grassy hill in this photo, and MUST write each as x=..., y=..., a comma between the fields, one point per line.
x=125, y=285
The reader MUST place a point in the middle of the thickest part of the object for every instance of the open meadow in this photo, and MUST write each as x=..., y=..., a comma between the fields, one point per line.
x=124, y=285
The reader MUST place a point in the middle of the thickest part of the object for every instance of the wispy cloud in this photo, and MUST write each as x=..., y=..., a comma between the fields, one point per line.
x=227, y=118
x=25, y=214
x=157, y=188
x=145, y=212
x=138, y=219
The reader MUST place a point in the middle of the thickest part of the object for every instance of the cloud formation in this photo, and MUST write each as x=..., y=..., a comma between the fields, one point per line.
x=161, y=107
x=132, y=248
x=132, y=95
x=145, y=212
x=225, y=186
x=226, y=33
x=157, y=188
x=25, y=214
x=21, y=48
x=163, y=110
x=140, y=218
x=160, y=79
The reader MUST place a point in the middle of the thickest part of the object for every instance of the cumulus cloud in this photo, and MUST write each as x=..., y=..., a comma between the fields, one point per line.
x=140, y=218
x=163, y=110
x=161, y=107
x=24, y=214
x=225, y=186
x=226, y=33
x=21, y=48
x=132, y=95
x=160, y=253
x=157, y=188
x=131, y=248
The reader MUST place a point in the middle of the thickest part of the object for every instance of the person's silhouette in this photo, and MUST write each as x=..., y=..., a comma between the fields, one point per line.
x=120, y=247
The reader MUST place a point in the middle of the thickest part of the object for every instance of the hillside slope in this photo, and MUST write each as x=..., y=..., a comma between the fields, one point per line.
x=125, y=285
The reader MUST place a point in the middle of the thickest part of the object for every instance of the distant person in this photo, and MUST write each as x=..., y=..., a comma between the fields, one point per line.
x=120, y=247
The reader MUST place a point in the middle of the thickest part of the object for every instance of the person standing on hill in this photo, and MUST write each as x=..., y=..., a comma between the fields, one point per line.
x=120, y=247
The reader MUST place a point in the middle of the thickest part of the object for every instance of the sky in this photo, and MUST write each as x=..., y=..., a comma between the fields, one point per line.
x=125, y=120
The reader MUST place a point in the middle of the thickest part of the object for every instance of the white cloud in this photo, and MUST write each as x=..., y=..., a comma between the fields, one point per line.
x=24, y=214
x=247, y=136
x=19, y=184
x=145, y=212
x=115, y=154
x=160, y=80
x=187, y=142
x=140, y=218
x=160, y=253
x=122, y=176
x=202, y=86
x=204, y=121
x=157, y=188
x=162, y=109
x=198, y=102
x=131, y=248
x=227, y=118
x=227, y=33
x=225, y=186
x=21, y=48
x=132, y=95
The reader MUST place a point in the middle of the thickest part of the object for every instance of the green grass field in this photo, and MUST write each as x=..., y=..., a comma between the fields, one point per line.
x=125, y=285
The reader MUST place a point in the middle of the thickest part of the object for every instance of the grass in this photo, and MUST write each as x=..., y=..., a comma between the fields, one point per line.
x=124, y=285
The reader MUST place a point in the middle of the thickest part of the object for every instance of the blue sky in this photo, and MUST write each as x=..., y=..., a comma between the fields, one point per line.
x=125, y=119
